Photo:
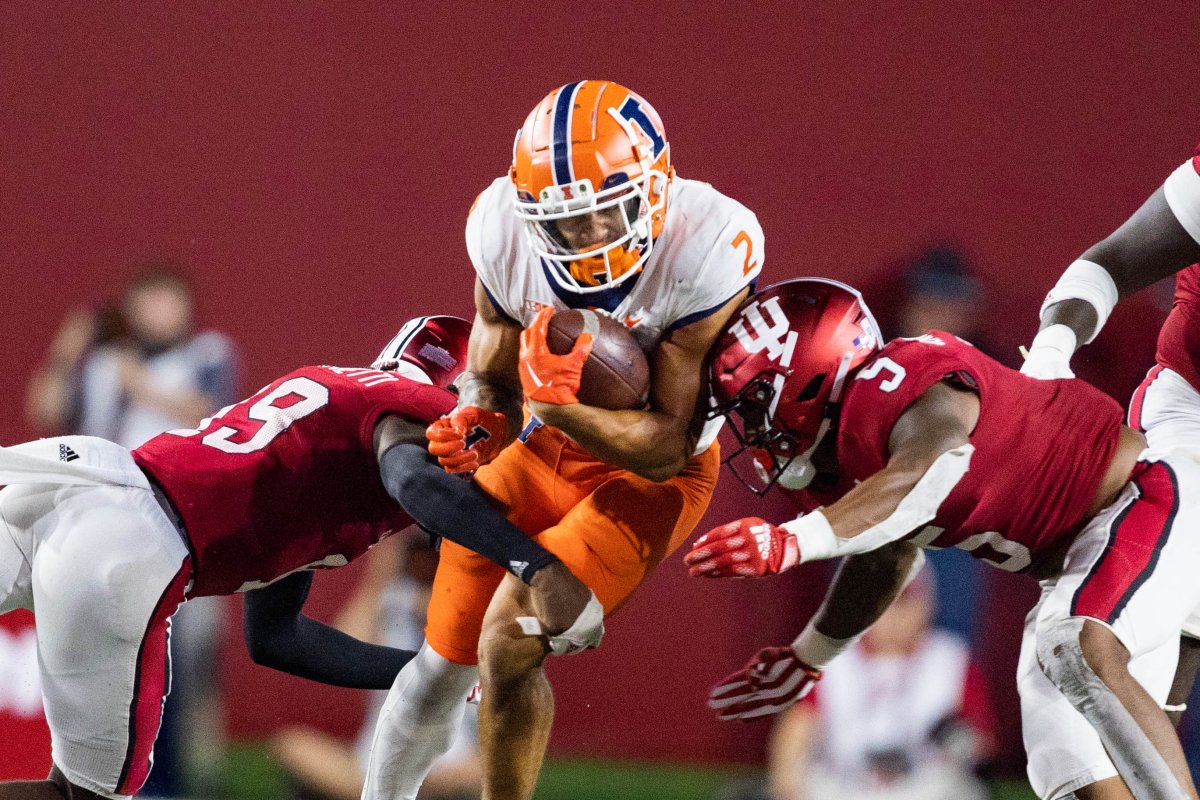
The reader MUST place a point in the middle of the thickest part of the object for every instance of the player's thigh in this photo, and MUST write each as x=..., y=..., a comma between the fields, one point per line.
x=1133, y=568
x=525, y=488
x=614, y=537
x=462, y=589
x=106, y=579
x=25, y=511
x=1063, y=750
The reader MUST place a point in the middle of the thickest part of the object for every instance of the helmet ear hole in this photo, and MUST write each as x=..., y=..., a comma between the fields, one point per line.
x=812, y=388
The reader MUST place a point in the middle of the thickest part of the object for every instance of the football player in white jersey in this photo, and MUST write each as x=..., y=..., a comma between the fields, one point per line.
x=590, y=215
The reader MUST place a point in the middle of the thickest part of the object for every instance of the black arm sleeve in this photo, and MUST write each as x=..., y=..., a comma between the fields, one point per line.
x=277, y=636
x=449, y=506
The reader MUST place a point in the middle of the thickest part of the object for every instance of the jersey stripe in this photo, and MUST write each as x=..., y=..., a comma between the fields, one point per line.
x=1136, y=538
x=560, y=145
x=1138, y=401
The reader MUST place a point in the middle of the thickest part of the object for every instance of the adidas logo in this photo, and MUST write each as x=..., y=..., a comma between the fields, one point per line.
x=518, y=567
x=67, y=454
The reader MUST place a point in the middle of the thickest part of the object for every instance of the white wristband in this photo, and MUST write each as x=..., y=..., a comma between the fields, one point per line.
x=816, y=649
x=814, y=536
x=1089, y=282
x=1058, y=337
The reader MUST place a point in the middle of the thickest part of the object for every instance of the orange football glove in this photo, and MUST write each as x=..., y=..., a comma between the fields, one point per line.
x=468, y=438
x=546, y=377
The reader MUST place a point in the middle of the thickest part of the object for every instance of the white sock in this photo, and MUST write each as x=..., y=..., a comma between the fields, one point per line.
x=416, y=725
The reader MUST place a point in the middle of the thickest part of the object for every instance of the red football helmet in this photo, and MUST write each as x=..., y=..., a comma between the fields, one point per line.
x=779, y=370
x=428, y=349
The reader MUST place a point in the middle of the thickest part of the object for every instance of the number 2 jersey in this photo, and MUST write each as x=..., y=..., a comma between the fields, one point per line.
x=1179, y=339
x=710, y=249
x=287, y=479
x=1041, y=448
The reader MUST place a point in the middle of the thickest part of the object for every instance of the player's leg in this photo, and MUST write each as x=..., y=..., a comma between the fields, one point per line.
x=1109, y=638
x=108, y=570
x=611, y=540
x=425, y=705
x=516, y=710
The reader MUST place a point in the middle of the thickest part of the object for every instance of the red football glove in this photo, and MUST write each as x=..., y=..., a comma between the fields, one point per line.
x=745, y=548
x=468, y=438
x=546, y=377
x=773, y=680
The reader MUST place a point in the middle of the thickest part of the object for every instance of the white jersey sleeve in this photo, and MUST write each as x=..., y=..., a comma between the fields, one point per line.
x=730, y=257
x=493, y=244
x=1182, y=190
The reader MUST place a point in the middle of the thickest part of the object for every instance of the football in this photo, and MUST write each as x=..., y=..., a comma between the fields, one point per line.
x=616, y=375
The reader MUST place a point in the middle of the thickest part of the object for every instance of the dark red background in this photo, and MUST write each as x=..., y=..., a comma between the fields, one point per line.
x=314, y=163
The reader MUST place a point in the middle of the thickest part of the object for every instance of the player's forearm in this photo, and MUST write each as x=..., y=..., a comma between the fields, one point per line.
x=451, y=507
x=279, y=637
x=865, y=585
x=316, y=652
x=885, y=508
x=494, y=393
x=647, y=443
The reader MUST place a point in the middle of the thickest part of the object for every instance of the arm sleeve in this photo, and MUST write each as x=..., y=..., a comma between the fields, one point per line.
x=279, y=637
x=448, y=506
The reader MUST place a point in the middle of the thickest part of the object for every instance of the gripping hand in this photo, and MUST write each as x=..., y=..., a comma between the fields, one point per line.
x=468, y=438
x=546, y=377
x=745, y=548
x=773, y=680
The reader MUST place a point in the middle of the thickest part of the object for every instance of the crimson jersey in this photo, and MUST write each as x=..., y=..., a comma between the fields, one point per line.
x=287, y=479
x=1179, y=339
x=1041, y=447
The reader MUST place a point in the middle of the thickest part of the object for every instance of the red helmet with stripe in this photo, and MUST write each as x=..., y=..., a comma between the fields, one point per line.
x=428, y=349
x=592, y=170
x=779, y=369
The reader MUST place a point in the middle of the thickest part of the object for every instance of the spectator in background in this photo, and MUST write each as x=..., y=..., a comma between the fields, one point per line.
x=902, y=715
x=388, y=608
x=127, y=372
x=937, y=290
x=131, y=372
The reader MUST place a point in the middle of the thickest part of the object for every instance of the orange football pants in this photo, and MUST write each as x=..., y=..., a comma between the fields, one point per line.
x=609, y=526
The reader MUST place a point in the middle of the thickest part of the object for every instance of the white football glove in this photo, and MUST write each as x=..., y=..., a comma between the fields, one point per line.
x=585, y=632
x=1049, y=356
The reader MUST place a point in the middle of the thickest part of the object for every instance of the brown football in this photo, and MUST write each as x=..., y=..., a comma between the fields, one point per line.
x=616, y=375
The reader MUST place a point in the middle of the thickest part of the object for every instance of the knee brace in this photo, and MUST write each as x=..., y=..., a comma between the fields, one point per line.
x=1136, y=758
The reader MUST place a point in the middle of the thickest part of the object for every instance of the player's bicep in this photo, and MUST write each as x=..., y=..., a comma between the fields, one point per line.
x=940, y=420
x=678, y=362
x=1150, y=245
x=495, y=340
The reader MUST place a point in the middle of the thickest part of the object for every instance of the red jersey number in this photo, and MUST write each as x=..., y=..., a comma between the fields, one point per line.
x=264, y=419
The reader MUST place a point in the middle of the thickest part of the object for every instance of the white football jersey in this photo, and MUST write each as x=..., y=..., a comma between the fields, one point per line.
x=710, y=248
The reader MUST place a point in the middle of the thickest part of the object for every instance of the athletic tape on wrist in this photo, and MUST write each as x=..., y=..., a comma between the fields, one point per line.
x=1057, y=337
x=816, y=649
x=1089, y=282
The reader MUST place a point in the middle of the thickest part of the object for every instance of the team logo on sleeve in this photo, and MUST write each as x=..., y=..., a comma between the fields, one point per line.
x=475, y=436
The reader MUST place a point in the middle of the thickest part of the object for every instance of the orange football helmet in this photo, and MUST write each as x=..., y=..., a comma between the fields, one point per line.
x=592, y=170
